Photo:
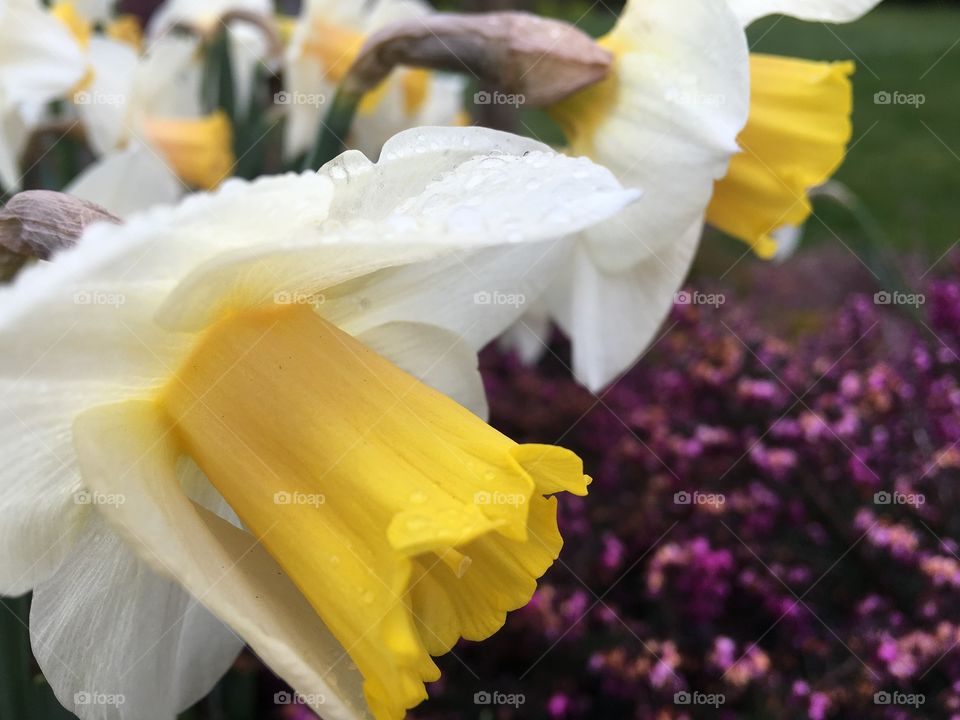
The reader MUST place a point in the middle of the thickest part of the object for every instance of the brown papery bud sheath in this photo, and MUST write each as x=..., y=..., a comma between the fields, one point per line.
x=38, y=223
x=542, y=59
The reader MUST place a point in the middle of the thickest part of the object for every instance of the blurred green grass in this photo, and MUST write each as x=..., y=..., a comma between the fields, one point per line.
x=904, y=162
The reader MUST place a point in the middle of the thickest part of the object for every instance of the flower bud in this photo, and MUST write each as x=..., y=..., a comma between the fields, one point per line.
x=541, y=59
x=38, y=223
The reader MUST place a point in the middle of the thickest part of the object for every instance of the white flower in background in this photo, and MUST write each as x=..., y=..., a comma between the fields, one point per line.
x=669, y=119
x=95, y=10
x=665, y=120
x=249, y=45
x=128, y=181
x=325, y=41
x=206, y=16
x=796, y=136
x=146, y=110
x=40, y=61
x=244, y=357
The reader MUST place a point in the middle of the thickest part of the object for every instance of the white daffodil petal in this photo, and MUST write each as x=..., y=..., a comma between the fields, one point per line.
x=14, y=135
x=248, y=54
x=412, y=98
x=387, y=12
x=529, y=337
x=107, y=182
x=234, y=576
x=410, y=161
x=204, y=15
x=168, y=79
x=155, y=250
x=283, y=274
x=44, y=383
x=41, y=512
x=201, y=491
x=835, y=11
x=788, y=240
x=95, y=10
x=612, y=317
x=116, y=641
x=308, y=93
x=666, y=122
x=444, y=102
x=435, y=190
x=475, y=294
x=435, y=356
x=39, y=59
x=107, y=104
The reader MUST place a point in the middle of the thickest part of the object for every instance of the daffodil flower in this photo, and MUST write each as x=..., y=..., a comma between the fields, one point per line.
x=796, y=135
x=39, y=62
x=249, y=46
x=324, y=43
x=666, y=120
x=669, y=119
x=152, y=102
x=236, y=421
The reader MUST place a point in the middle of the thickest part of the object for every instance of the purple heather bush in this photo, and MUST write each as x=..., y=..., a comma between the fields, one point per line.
x=773, y=521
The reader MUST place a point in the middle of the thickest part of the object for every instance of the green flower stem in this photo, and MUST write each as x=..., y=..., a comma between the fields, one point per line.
x=14, y=658
x=217, y=84
x=334, y=131
x=873, y=253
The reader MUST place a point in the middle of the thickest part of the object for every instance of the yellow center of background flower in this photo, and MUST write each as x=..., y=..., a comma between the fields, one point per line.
x=199, y=150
